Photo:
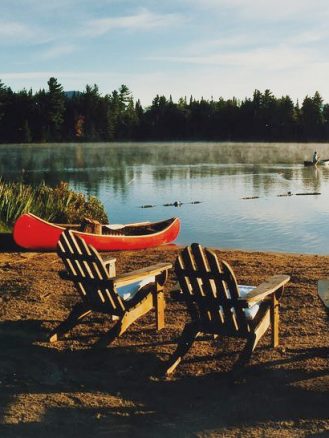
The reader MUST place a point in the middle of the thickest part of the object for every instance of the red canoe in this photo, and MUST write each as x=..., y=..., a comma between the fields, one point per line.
x=33, y=233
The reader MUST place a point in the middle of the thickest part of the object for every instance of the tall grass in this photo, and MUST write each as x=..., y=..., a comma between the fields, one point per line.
x=57, y=204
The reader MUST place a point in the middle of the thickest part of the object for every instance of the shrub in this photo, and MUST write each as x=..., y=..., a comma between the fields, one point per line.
x=57, y=204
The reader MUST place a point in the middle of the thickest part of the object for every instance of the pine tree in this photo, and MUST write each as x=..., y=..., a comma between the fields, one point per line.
x=55, y=109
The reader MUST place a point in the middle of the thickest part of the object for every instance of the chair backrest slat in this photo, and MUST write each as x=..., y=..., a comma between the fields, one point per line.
x=210, y=290
x=89, y=274
x=209, y=311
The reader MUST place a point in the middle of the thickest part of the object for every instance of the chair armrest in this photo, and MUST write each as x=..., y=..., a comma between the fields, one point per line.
x=139, y=274
x=266, y=288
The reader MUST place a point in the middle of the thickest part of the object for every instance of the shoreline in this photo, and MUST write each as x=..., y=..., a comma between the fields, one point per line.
x=7, y=244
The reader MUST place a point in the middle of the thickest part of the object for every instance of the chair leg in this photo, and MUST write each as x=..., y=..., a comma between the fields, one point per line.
x=159, y=310
x=246, y=353
x=275, y=317
x=117, y=330
x=253, y=340
x=112, y=334
x=78, y=312
x=188, y=336
x=125, y=321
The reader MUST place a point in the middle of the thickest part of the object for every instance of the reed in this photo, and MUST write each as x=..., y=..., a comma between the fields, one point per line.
x=58, y=204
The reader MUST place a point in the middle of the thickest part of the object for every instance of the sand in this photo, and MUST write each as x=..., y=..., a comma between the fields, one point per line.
x=70, y=389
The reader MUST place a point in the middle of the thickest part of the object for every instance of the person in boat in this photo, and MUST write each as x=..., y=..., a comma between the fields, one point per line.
x=315, y=157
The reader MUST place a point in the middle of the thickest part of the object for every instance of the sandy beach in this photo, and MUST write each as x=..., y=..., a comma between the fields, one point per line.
x=70, y=389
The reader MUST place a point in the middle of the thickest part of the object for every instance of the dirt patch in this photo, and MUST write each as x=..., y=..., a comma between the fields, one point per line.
x=71, y=389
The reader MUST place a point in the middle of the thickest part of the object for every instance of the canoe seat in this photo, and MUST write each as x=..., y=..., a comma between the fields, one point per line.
x=114, y=227
x=113, y=230
x=126, y=297
x=219, y=306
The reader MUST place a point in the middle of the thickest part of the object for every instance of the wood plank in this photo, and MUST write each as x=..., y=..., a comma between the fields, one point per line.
x=207, y=298
x=323, y=291
x=139, y=274
x=269, y=286
x=159, y=307
x=275, y=315
x=190, y=272
x=236, y=318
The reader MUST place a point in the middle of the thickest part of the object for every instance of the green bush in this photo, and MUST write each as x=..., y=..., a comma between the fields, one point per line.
x=57, y=204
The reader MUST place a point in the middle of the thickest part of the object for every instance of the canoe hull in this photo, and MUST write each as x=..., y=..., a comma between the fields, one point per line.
x=31, y=232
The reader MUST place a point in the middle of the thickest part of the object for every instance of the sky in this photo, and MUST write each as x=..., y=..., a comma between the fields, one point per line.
x=203, y=48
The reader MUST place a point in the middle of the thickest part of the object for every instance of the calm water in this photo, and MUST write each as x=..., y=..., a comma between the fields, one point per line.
x=127, y=176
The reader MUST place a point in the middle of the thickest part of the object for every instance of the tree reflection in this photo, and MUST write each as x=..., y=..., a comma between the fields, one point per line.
x=90, y=165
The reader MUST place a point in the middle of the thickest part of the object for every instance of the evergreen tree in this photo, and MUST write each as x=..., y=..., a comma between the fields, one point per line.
x=127, y=119
x=312, y=117
x=55, y=109
x=6, y=110
x=52, y=115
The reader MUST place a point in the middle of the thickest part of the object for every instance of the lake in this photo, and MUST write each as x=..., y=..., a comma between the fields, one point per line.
x=233, y=195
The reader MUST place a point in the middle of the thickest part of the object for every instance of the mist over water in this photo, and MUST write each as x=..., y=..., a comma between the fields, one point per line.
x=219, y=175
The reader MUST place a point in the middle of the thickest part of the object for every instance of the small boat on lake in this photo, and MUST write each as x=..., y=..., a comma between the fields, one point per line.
x=316, y=163
x=308, y=163
x=34, y=233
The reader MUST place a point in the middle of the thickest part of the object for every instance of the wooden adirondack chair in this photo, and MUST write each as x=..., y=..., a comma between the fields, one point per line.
x=98, y=286
x=216, y=305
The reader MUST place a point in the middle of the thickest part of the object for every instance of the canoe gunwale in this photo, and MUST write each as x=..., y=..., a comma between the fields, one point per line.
x=135, y=224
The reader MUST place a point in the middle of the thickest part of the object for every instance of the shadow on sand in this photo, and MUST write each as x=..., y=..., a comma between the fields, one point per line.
x=7, y=243
x=80, y=391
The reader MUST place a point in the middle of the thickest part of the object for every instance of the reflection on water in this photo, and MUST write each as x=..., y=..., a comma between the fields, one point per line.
x=126, y=176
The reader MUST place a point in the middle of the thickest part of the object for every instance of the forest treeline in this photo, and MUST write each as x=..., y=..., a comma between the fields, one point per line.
x=52, y=115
